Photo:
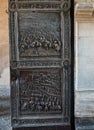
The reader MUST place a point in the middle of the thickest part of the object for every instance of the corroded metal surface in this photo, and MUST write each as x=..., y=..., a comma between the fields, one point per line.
x=40, y=62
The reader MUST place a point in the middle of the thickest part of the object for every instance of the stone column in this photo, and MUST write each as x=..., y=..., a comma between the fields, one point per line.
x=84, y=66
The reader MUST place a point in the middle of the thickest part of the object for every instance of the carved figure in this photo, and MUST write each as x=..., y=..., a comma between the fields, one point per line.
x=40, y=92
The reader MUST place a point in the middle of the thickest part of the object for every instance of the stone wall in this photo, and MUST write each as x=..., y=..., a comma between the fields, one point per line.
x=84, y=65
x=4, y=44
x=4, y=59
x=85, y=1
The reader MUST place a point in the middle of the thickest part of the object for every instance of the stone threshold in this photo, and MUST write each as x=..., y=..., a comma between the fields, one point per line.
x=84, y=123
x=85, y=128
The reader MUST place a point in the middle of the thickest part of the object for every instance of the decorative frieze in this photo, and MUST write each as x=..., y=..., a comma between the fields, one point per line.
x=40, y=5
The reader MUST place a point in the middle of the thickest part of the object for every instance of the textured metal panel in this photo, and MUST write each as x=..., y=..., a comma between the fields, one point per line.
x=40, y=59
x=40, y=91
x=39, y=35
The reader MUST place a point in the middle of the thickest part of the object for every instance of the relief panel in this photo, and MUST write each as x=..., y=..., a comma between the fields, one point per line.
x=40, y=91
x=40, y=62
x=39, y=35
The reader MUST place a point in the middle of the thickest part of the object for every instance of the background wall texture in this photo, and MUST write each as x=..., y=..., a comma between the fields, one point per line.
x=4, y=44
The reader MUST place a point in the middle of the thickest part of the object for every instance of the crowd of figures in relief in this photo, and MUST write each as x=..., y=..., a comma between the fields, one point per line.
x=40, y=92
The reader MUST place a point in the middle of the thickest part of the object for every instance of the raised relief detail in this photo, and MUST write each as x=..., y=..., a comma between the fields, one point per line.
x=65, y=5
x=40, y=91
x=39, y=34
x=40, y=62
x=40, y=5
x=35, y=5
x=32, y=45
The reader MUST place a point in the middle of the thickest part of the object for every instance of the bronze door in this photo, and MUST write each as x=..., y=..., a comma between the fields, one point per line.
x=40, y=48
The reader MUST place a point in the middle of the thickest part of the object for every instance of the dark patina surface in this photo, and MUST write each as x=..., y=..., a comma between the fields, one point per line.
x=40, y=48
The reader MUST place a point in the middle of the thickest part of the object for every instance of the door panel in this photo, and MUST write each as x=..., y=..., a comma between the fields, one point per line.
x=43, y=31
x=40, y=62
